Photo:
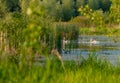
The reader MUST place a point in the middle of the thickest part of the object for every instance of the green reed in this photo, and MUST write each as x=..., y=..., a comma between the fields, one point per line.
x=91, y=70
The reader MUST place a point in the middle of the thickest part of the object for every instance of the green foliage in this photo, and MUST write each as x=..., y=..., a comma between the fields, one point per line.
x=12, y=5
x=33, y=33
x=80, y=21
x=115, y=12
x=24, y=4
x=95, y=17
x=52, y=9
x=92, y=70
x=67, y=31
x=39, y=34
x=81, y=2
x=105, y=5
x=68, y=9
x=94, y=4
x=3, y=9
x=12, y=26
x=100, y=31
x=59, y=11
x=100, y=4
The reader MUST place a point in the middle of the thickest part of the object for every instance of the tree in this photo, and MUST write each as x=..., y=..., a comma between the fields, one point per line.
x=115, y=11
x=68, y=10
x=94, y=4
x=13, y=5
x=81, y=2
x=59, y=9
x=24, y=4
x=95, y=17
x=105, y=5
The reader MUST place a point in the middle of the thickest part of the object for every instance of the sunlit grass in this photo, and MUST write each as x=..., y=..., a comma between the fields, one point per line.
x=91, y=70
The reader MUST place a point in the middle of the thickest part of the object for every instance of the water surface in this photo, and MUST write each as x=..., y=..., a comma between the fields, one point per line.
x=107, y=48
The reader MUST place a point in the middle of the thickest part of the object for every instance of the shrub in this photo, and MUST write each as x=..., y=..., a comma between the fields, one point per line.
x=96, y=17
x=80, y=21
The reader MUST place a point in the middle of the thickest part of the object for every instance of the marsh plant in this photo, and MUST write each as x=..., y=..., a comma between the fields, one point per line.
x=91, y=70
x=68, y=31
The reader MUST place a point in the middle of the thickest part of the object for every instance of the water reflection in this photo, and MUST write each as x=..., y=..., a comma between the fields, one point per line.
x=108, y=47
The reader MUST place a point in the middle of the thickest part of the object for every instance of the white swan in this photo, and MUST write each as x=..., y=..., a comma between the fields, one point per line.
x=93, y=41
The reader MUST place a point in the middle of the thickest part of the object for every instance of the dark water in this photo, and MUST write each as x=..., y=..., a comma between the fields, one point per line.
x=105, y=48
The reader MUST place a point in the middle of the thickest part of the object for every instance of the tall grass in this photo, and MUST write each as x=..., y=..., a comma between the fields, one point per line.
x=68, y=31
x=91, y=70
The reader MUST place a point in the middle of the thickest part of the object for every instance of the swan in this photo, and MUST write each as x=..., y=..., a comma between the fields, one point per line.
x=93, y=41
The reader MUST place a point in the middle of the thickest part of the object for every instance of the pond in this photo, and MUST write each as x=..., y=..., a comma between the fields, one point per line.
x=102, y=46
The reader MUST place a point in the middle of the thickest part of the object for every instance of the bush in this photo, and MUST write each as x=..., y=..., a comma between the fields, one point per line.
x=81, y=21
x=96, y=18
